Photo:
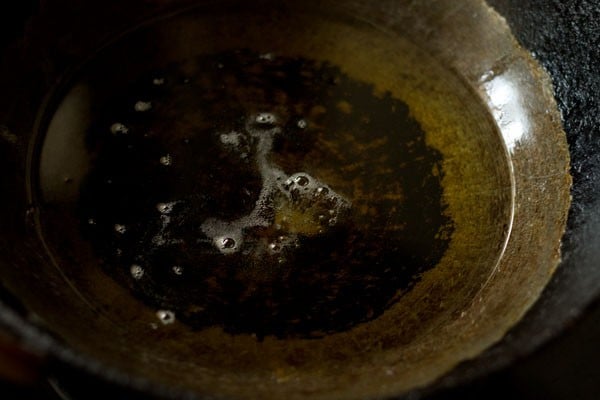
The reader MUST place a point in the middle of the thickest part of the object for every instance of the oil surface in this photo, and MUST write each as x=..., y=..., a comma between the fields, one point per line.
x=263, y=194
x=268, y=191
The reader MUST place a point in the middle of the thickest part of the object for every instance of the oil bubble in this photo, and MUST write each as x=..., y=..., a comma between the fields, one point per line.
x=165, y=208
x=166, y=316
x=302, y=180
x=321, y=191
x=119, y=228
x=177, y=270
x=267, y=56
x=137, y=272
x=275, y=247
x=265, y=118
x=118, y=128
x=302, y=124
x=166, y=160
x=159, y=240
x=142, y=106
x=232, y=139
x=226, y=245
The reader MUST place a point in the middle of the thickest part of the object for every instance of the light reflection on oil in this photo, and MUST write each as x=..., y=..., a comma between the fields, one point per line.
x=65, y=161
x=506, y=102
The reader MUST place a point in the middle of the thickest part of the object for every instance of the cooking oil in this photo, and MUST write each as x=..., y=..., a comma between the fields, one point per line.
x=294, y=178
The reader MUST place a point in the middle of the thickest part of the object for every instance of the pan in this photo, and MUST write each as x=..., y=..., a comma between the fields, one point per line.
x=310, y=200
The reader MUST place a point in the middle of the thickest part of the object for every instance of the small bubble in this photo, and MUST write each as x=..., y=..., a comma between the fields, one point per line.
x=165, y=316
x=302, y=180
x=91, y=221
x=159, y=240
x=120, y=228
x=137, y=272
x=281, y=261
x=332, y=221
x=267, y=56
x=118, y=252
x=118, y=128
x=68, y=179
x=227, y=243
x=143, y=106
x=186, y=81
x=220, y=66
x=158, y=81
x=232, y=138
x=274, y=246
x=321, y=191
x=265, y=118
x=177, y=270
x=322, y=217
x=166, y=160
x=302, y=124
x=165, y=208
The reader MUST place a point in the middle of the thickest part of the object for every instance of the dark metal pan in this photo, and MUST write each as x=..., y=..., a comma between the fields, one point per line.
x=495, y=259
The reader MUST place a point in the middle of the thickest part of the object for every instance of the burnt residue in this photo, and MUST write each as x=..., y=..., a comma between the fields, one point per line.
x=361, y=144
